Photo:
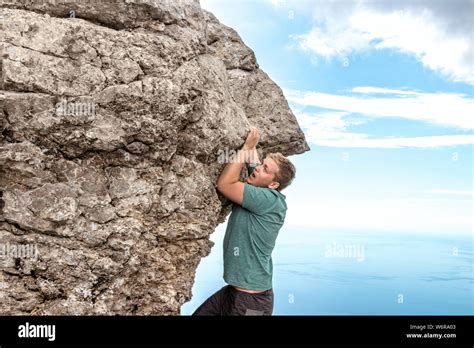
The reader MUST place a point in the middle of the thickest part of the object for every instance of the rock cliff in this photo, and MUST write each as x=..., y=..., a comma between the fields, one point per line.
x=113, y=115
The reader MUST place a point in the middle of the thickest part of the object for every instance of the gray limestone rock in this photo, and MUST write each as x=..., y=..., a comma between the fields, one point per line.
x=113, y=115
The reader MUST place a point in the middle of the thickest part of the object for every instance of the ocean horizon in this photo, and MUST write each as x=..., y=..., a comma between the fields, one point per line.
x=328, y=272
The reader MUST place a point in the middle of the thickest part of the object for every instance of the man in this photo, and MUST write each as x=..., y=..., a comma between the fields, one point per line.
x=258, y=213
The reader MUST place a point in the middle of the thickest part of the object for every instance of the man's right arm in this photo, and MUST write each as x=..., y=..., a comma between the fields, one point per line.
x=252, y=156
x=252, y=160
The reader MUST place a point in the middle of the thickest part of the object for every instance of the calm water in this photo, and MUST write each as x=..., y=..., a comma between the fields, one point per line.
x=319, y=272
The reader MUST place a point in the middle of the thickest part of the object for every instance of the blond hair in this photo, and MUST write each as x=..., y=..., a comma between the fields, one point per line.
x=286, y=170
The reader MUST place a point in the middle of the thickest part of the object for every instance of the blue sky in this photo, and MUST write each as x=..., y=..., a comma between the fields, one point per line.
x=384, y=93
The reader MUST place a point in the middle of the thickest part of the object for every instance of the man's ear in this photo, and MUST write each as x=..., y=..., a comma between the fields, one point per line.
x=274, y=185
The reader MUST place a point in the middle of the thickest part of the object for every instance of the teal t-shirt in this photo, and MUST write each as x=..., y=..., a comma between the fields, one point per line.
x=250, y=237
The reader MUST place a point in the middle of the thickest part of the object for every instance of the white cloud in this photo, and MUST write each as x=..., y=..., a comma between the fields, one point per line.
x=405, y=215
x=331, y=128
x=447, y=109
x=379, y=90
x=439, y=34
x=278, y=3
x=451, y=192
x=354, y=141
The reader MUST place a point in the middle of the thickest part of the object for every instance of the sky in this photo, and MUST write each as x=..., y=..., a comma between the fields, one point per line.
x=384, y=94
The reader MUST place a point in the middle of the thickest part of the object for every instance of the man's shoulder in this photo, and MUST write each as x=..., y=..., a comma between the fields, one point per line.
x=264, y=198
x=265, y=191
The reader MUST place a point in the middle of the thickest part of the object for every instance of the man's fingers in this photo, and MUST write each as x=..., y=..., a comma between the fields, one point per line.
x=253, y=132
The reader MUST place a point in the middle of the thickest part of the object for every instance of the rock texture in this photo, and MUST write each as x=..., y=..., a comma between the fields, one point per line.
x=113, y=115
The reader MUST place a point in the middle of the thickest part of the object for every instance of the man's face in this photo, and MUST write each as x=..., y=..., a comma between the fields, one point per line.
x=264, y=174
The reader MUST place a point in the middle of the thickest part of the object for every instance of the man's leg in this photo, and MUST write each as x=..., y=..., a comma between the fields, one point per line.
x=215, y=304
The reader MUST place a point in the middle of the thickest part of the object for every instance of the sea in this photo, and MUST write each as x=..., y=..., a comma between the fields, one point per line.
x=321, y=271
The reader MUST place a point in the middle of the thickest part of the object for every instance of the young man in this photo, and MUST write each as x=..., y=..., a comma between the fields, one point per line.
x=258, y=213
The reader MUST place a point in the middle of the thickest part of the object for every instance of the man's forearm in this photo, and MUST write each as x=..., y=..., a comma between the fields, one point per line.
x=252, y=156
x=231, y=172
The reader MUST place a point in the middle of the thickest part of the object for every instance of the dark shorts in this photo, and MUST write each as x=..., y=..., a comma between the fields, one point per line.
x=230, y=301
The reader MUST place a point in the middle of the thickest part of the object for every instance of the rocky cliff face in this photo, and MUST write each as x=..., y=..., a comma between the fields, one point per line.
x=113, y=115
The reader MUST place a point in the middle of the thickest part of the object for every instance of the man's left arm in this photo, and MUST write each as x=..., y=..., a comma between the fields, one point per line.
x=228, y=183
